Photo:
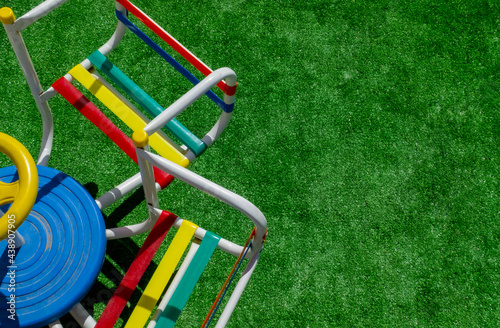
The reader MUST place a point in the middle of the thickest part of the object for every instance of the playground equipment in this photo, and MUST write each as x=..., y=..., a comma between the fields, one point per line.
x=50, y=271
x=54, y=224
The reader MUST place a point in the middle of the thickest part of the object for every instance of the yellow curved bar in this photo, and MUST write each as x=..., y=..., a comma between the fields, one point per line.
x=27, y=185
x=8, y=192
x=7, y=16
x=126, y=114
x=162, y=275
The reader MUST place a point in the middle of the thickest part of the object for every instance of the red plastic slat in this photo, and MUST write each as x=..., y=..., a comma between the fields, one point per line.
x=94, y=115
x=158, y=30
x=134, y=274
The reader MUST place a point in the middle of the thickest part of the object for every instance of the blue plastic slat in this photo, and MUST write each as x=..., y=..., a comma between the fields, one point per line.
x=172, y=61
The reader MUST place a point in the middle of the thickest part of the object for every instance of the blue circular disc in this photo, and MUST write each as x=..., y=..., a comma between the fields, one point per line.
x=65, y=244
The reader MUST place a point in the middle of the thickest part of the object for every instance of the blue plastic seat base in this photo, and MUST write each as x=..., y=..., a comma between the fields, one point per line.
x=65, y=244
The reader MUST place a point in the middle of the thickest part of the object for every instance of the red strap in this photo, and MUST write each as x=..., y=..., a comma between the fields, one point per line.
x=94, y=115
x=205, y=70
x=134, y=274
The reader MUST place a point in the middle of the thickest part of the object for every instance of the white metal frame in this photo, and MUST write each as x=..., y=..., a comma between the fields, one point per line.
x=42, y=97
x=146, y=160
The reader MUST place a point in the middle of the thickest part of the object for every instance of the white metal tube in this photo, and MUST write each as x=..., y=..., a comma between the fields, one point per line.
x=238, y=290
x=29, y=72
x=119, y=191
x=134, y=229
x=117, y=36
x=47, y=135
x=36, y=13
x=190, y=155
x=228, y=100
x=84, y=319
x=56, y=324
x=214, y=133
x=18, y=239
x=188, y=98
x=130, y=230
x=211, y=188
x=148, y=178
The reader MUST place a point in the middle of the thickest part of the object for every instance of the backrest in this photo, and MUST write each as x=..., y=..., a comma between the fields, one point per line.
x=120, y=103
x=157, y=170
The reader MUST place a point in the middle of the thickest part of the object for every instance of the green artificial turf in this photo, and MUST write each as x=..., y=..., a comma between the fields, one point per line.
x=366, y=132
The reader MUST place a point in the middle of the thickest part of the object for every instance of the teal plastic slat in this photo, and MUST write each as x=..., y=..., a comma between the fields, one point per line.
x=186, y=285
x=145, y=101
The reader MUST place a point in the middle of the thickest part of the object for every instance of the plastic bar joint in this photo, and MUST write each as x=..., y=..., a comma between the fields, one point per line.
x=140, y=138
x=7, y=16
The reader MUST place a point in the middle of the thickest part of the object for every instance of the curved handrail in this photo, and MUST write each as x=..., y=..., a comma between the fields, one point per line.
x=236, y=201
x=191, y=96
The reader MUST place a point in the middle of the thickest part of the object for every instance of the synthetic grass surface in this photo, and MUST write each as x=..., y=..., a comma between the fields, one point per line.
x=365, y=131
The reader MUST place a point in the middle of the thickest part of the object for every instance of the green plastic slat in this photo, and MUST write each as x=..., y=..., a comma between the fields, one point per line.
x=186, y=285
x=145, y=101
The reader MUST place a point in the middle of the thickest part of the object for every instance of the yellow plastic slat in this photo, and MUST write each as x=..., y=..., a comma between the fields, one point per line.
x=162, y=275
x=126, y=114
